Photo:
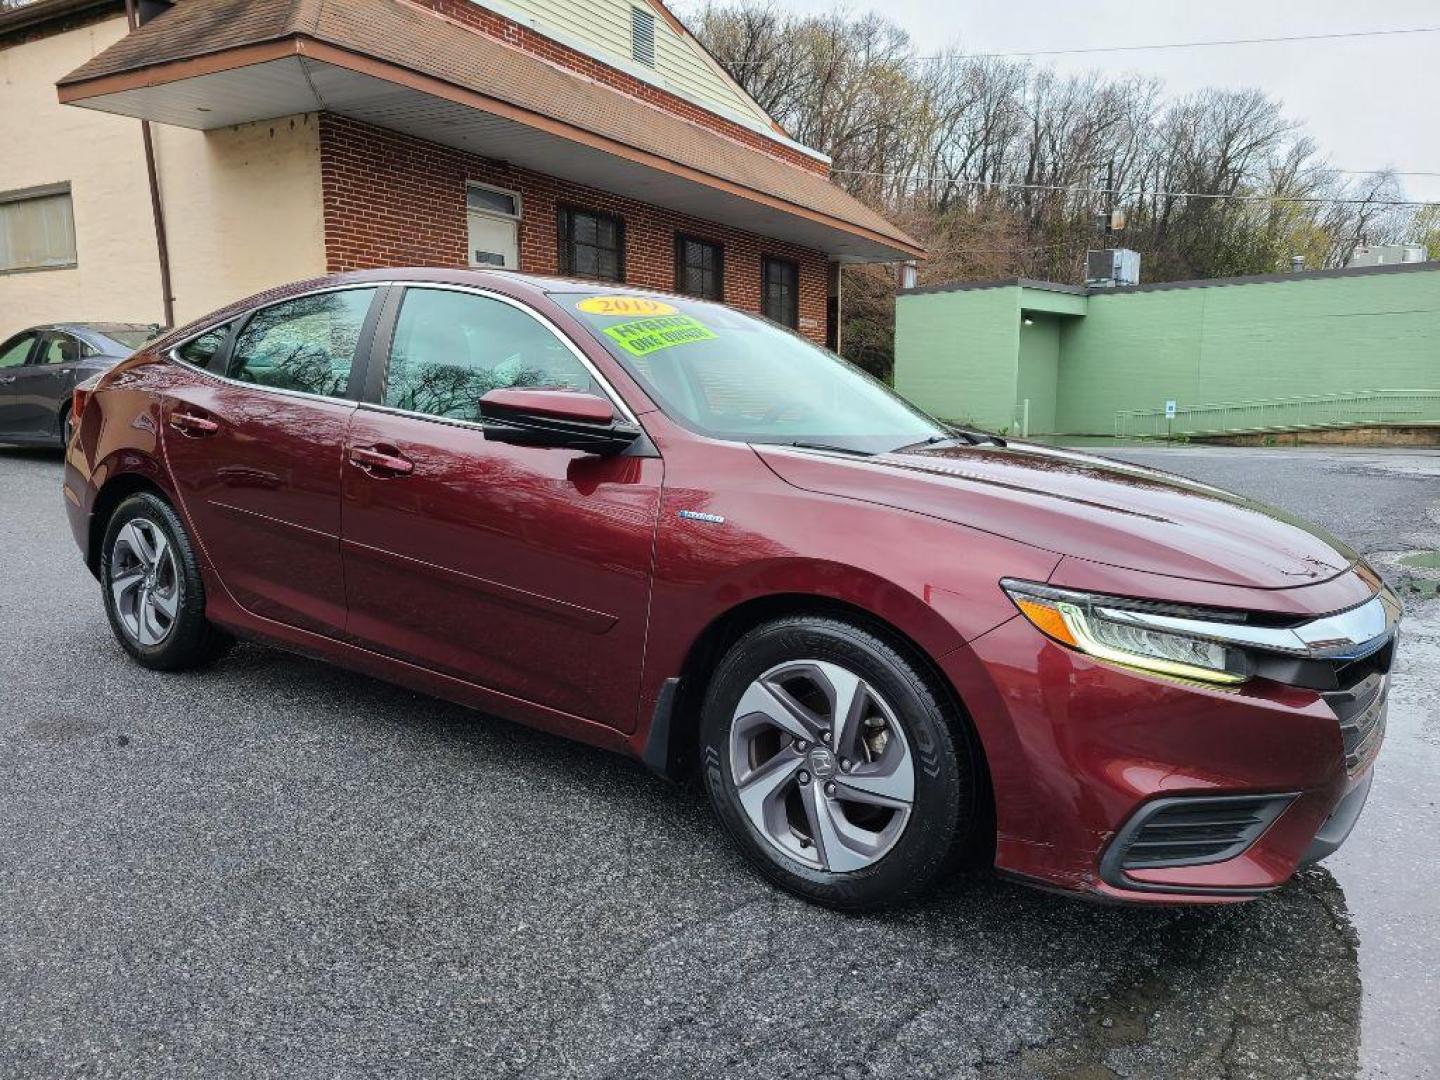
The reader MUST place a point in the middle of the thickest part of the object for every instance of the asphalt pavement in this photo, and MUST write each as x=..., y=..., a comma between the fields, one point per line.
x=275, y=868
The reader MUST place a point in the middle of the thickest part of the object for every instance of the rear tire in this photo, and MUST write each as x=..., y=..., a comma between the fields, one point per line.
x=154, y=595
x=830, y=760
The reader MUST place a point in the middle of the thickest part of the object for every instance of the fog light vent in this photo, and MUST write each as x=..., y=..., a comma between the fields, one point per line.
x=1190, y=830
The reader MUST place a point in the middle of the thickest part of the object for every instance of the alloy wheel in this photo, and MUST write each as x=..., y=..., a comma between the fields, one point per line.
x=821, y=766
x=144, y=584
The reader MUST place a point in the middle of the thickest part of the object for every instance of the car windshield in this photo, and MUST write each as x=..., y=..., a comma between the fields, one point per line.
x=734, y=376
x=132, y=337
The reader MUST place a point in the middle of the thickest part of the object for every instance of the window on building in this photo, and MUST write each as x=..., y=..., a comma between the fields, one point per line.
x=592, y=244
x=699, y=268
x=780, y=291
x=306, y=344
x=37, y=229
x=642, y=35
x=452, y=348
x=494, y=220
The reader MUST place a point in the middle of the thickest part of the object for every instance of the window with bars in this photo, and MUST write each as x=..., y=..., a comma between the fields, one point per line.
x=699, y=268
x=592, y=244
x=780, y=291
x=37, y=229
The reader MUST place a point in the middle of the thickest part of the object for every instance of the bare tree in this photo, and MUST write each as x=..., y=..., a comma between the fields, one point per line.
x=1002, y=168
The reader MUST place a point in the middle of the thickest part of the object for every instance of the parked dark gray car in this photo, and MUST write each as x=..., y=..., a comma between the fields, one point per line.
x=39, y=368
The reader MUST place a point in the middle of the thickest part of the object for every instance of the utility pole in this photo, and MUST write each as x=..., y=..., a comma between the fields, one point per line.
x=1110, y=203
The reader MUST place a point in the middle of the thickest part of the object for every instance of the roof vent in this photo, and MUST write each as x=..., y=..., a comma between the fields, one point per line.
x=1388, y=254
x=642, y=35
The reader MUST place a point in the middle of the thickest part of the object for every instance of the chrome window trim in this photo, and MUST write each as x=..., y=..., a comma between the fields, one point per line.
x=616, y=400
x=605, y=385
x=411, y=414
x=1354, y=632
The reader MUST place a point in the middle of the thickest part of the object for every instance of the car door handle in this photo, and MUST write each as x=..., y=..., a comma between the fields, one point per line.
x=381, y=461
x=192, y=425
x=8, y=379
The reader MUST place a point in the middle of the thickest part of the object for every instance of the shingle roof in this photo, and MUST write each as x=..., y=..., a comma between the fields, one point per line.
x=413, y=38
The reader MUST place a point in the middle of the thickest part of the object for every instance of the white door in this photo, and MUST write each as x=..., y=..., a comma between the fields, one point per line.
x=494, y=241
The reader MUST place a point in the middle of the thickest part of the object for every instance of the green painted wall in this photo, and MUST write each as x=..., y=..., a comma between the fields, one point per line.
x=1039, y=369
x=1197, y=345
x=961, y=354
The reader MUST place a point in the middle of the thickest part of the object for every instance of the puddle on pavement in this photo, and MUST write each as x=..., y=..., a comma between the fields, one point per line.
x=1336, y=975
x=1272, y=989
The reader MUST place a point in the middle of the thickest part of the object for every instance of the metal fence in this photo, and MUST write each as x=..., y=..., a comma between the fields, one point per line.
x=1363, y=408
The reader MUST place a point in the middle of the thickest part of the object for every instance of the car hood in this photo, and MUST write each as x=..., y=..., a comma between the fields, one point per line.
x=1085, y=507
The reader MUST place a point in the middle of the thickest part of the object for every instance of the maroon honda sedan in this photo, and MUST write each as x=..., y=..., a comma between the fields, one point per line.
x=680, y=532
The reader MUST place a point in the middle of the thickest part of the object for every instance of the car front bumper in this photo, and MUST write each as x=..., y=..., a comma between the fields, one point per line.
x=1098, y=769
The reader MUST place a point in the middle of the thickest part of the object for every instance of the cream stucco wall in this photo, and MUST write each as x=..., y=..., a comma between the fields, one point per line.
x=242, y=205
x=117, y=272
x=243, y=209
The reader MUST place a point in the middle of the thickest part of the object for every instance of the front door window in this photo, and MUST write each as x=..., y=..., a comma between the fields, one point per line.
x=15, y=351
x=451, y=348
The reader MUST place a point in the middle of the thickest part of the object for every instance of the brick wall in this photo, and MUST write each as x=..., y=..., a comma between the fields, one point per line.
x=395, y=200
x=532, y=41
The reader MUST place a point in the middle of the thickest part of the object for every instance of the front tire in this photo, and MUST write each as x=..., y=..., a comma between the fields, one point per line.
x=154, y=595
x=830, y=760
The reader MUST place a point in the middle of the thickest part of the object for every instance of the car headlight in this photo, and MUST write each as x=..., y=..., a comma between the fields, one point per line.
x=1105, y=627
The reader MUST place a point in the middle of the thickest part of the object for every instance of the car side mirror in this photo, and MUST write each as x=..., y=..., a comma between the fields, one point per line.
x=564, y=419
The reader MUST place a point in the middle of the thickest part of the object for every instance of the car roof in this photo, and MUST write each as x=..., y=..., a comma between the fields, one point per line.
x=90, y=327
x=542, y=283
x=505, y=281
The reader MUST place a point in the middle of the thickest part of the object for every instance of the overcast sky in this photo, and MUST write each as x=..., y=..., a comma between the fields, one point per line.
x=1370, y=103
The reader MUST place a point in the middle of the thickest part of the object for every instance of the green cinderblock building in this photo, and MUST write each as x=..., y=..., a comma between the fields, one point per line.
x=1274, y=352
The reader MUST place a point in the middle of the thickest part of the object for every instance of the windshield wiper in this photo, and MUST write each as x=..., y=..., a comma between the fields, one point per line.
x=973, y=438
x=834, y=449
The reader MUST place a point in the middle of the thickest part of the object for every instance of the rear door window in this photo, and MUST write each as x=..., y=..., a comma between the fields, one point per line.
x=59, y=349
x=306, y=344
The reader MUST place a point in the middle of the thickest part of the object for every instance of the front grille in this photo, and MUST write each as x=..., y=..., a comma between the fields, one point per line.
x=1361, y=711
x=1195, y=829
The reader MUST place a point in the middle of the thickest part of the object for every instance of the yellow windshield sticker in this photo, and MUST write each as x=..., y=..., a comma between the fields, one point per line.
x=625, y=305
x=645, y=336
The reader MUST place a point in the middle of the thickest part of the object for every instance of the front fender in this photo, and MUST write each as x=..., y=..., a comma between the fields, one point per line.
x=723, y=545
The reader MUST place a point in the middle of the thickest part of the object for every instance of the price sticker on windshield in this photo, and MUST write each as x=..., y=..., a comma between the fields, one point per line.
x=625, y=305
x=645, y=336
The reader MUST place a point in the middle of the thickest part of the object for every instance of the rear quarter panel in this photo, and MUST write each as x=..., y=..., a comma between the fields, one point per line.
x=119, y=435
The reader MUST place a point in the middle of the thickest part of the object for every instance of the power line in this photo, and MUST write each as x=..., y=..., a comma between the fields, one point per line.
x=1081, y=189
x=1209, y=44
x=1382, y=172
x=1287, y=39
